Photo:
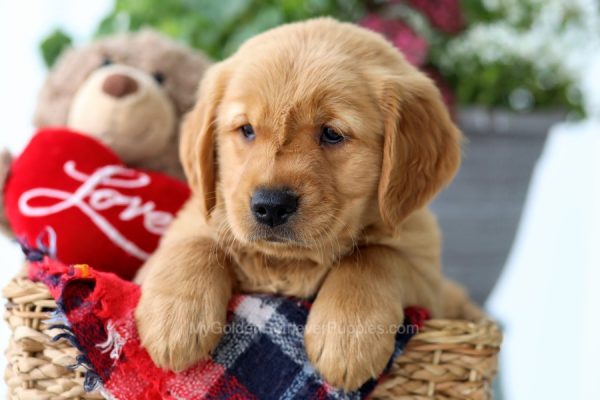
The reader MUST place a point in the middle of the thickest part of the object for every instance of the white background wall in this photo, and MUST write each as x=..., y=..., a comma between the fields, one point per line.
x=23, y=23
x=548, y=295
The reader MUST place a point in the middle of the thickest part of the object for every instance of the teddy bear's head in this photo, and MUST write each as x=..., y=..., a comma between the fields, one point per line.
x=129, y=91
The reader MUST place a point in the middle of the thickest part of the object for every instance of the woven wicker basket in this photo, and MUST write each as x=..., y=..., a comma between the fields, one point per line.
x=448, y=359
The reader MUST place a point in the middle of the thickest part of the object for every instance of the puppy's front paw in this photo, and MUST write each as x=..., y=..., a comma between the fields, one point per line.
x=178, y=332
x=347, y=350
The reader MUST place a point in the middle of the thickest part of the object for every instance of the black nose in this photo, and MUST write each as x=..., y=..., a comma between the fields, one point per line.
x=273, y=206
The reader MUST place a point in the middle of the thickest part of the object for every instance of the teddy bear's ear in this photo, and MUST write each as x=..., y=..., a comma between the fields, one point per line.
x=63, y=81
x=197, y=147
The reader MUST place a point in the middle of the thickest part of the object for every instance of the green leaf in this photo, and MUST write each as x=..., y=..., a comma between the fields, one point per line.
x=265, y=19
x=53, y=46
x=219, y=11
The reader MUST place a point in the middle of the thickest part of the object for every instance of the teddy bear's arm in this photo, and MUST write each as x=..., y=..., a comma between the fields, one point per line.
x=5, y=162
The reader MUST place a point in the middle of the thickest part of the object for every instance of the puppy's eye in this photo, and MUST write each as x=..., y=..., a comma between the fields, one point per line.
x=330, y=136
x=106, y=62
x=159, y=77
x=248, y=132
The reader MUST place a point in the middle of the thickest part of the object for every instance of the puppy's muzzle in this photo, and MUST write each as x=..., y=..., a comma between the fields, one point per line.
x=273, y=207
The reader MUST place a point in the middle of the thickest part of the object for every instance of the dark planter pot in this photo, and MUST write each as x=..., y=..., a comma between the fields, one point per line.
x=480, y=210
x=479, y=120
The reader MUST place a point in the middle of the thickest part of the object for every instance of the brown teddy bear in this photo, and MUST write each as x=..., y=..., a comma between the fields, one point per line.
x=129, y=91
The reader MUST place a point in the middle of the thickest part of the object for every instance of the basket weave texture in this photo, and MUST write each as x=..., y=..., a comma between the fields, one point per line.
x=447, y=359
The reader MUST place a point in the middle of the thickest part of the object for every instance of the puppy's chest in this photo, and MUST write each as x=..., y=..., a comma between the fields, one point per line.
x=258, y=273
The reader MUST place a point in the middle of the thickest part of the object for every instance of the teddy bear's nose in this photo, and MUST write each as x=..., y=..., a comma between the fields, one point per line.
x=119, y=85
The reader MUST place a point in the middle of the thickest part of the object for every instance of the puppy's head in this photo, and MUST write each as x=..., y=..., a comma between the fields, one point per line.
x=314, y=131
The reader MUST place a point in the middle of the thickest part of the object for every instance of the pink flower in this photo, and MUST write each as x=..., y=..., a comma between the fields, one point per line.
x=445, y=15
x=373, y=22
x=401, y=35
x=413, y=46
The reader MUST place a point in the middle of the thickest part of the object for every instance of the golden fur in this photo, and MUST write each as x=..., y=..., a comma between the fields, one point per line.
x=362, y=241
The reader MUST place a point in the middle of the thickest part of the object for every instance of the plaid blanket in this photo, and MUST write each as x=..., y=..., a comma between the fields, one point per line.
x=261, y=355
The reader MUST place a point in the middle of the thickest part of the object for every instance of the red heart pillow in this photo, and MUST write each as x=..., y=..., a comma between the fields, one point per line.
x=102, y=212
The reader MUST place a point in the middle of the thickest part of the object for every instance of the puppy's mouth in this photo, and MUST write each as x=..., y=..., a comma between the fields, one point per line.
x=276, y=239
x=282, y=235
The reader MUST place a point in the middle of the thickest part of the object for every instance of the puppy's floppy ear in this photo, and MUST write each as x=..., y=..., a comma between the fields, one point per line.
x=197, y=147
x=421, y=146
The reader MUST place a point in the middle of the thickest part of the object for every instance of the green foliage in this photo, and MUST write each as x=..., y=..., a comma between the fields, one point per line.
x=218, y=27
x=53, y=45
x=495, y=84
x=514, y=49
x=519, y=13
x=510, y=49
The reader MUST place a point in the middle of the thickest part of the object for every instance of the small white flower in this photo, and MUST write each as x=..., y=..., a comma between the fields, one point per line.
x=559, y=40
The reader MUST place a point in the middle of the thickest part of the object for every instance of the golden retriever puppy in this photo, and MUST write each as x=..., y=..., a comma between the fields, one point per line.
x=312, y=153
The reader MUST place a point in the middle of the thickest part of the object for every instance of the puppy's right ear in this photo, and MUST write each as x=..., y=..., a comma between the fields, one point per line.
x=421, y=149
x=197, y=147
